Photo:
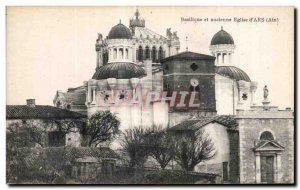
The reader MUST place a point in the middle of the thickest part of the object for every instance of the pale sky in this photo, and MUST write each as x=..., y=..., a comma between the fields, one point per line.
x=53, y=48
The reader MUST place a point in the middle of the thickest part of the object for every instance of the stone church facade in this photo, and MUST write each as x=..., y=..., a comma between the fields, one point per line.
x=255, y=144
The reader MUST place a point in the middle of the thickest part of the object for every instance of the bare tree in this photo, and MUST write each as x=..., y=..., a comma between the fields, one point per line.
x=101, y=127
x=134, y=143
x=193, y=148
x=160, y=146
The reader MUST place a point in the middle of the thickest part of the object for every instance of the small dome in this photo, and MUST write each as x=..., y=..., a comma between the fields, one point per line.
x=222, y=37
x=119, y=70
x=233, y=73
x=120, y=31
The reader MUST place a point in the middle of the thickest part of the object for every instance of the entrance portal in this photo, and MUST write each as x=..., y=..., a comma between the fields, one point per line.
x=267, y=169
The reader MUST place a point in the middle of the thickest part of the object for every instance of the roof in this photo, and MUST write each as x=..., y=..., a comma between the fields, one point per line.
x=33, y=155
x=120, y=70
x=196, y=124
x=187, y=55
x=145, y=32
x=73, y=97
x=90, y=152
x=120, y=31
x=233, y=73
x=222, y=37
x=40, y=112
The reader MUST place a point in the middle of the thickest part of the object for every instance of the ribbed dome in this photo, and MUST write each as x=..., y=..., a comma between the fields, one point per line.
x=232, y=72
x=119, y=71
x=119, y=31
x=222, y=37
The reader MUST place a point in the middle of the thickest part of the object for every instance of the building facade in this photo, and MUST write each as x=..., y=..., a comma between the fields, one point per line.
x=135, y=64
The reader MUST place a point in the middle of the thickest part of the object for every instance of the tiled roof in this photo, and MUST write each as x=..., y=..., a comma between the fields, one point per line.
x=227, y=120
x=76, y=98
x=32, y=156
x=122, y=70
x=97, y=152
x=187, y=55
x=195, y=124
x=39, y=112
x=145, y=32
x=233, y=73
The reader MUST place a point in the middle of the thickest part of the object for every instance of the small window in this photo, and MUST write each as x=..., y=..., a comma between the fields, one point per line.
x=68, y=107
x=194, y=66
x=266, y=136
x=245, y=96
x=167, y=67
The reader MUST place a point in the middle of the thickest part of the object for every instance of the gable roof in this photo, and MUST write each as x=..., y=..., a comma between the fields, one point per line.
x=40, y=112
x=268, y=145
x=196, y=124
x=188, y=55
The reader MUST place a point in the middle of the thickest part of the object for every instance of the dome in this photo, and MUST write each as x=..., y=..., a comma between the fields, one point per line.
x=119, y=70
x=120, y=31
x=222, y=37
x=233, y=73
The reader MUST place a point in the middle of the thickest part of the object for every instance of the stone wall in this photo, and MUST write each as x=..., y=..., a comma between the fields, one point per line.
x=251, y=125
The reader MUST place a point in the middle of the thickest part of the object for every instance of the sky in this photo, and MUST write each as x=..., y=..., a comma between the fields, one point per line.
x=53, y=48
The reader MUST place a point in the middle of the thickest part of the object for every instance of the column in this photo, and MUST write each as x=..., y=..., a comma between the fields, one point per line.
x=118, y=49
x=223, y=60
x=133, y=53
x=124, y=53
x=278, y=171
x=94, y=95
x=257, y=167
x=89, y=94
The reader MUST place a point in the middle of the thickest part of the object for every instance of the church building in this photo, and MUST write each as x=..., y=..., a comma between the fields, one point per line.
x=254, y=143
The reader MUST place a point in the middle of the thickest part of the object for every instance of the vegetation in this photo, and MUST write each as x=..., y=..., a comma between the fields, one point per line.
x=101, y=127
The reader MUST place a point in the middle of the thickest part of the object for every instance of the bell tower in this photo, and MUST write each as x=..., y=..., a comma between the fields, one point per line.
x=222, y=47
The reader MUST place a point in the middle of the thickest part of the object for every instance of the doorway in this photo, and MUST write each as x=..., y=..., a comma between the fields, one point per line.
x=267, y=169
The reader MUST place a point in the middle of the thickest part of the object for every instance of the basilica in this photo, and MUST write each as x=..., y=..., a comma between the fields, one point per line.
x=254, y=141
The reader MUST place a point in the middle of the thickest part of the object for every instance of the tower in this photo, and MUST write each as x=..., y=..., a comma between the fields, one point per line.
x=222, y=47
x=190, y=78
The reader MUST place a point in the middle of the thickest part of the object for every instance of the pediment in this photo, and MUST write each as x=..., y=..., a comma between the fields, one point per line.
x=268, y=146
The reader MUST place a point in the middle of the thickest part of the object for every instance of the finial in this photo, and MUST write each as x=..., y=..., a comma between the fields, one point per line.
x=186, y=41
x=120, y=22
x=221, y=27
x=137, y=14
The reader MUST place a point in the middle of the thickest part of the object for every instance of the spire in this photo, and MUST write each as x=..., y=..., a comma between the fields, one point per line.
x=120, y=22
x=137, y=14
x=221, y=27
x=137, y=21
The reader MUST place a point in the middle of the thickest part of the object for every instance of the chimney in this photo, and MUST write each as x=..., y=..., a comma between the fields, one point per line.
x=30, y=102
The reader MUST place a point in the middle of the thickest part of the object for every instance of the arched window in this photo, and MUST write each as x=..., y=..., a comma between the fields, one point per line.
x=115, y=53
x=121, y=53
x=266, y=136
x=147, y=52
x=154, y=54
x=140, y=54
x=160, y=54
x=126, y=53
